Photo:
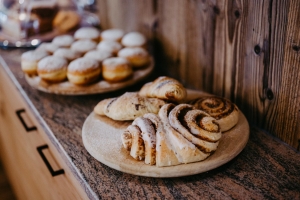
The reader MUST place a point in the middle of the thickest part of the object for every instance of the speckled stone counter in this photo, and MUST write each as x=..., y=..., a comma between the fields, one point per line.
x=265, y=169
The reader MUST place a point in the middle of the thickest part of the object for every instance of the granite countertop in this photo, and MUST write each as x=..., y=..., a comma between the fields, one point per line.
x=266, y=169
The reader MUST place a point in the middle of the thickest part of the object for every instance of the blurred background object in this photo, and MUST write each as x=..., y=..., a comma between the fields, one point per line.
x=27, y=23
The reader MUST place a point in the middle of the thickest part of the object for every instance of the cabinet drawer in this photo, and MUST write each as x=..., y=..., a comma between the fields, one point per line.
x=33, y=165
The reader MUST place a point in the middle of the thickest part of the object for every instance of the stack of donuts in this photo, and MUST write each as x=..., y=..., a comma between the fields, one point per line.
x=88, y=56
x=166, y=129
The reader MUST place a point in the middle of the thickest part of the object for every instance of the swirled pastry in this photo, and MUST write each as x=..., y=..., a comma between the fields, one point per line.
x=165, y=156
x=149, y=137
x=185, y=150
x=132, y=140
x=160, y=144
x=205, y=137
x=224, y=111
x=164, y=88
x=128, y=106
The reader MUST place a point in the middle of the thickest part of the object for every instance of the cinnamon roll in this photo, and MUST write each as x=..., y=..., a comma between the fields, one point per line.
x=165, y=156
x=224, y=111
x=164, y=88
x=132, y=141
x=152, y=138
x=177, y=119
x=185, y=150
x=149, y=137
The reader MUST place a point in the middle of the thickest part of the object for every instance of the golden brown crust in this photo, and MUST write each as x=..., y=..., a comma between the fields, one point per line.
x=52, y=69
x=83, y=71
x=129, y=106
x=164, y=88
x=116, y=69
x=137, y=56
x=99, y=108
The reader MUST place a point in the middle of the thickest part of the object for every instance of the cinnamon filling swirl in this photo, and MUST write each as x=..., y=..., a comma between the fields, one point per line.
x=202, y=125
x=224, y=111
x=215, y=106
x=205, y=140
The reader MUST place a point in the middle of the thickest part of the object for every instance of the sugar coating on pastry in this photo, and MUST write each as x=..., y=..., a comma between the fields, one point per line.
x=30, y=59
x=63, y=40
x=133, y=39
x=116, y=69
x=83, y=46
x=49, y=47
x=87, y=33
x=112, y=34
x=109, y=46
x=83, y=71
x=67, y=53
x=52, y=68
x=33, y=55
x=98, y=55
x=137, y=56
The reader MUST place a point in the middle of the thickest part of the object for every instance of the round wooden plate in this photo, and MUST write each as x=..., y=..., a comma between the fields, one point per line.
x=102, y=139
x=102, y=86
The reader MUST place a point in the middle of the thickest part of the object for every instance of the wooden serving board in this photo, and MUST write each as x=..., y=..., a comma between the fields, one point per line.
x=102, y=139
x=102, y=86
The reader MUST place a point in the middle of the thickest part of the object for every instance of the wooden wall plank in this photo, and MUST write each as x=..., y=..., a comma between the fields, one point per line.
x=286, y=120
x=129, y=15
x=247, y=51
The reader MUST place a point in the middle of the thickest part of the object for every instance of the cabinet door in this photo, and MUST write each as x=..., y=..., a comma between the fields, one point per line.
x=27, y=157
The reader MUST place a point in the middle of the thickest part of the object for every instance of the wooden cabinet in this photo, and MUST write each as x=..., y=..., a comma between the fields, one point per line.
x=33, y=165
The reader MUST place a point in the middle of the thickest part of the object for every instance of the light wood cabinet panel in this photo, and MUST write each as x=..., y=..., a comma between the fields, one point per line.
x=28, y=155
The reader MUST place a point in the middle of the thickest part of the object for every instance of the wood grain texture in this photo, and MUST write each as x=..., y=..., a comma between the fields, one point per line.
x=6, y=192
x=265, y=169
x=285, y=120
x=247, y=51
x=20, y=157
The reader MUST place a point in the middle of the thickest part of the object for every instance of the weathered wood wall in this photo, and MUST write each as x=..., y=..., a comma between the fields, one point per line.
x=245, y=50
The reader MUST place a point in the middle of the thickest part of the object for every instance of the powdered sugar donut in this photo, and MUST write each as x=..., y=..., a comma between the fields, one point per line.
x=83, y=71
x=112, y=34
x=98, y=55
x=109, y=46
x=52, y=69
x=30, y=59
x=49, y=47
x=87, y=33
x=116, y=69
x=63, y=40
x=137, y=56
x=67, y=53
x=134, y=39
x=83, y=46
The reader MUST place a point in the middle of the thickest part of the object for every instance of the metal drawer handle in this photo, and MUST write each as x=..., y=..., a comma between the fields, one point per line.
x=53, y=173
x=28, y=129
